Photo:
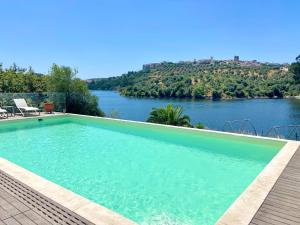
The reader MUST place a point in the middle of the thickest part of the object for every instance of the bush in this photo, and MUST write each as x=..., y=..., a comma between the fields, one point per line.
x=199, y=126
x=169, y=115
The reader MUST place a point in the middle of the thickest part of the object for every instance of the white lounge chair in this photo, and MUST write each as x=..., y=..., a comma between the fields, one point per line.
x=3, y=112
x=22, y=106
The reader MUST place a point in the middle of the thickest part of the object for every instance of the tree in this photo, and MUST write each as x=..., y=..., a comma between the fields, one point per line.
x=78, y=97
x=216, y=94
x=295, y=69
x=61, y=78
x=198, y=92
x=169, y=115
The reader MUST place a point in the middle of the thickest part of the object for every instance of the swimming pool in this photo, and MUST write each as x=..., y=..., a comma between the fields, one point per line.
x=151, y=174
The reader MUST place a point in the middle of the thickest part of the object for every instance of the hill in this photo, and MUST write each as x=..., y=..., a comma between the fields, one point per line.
x=204, y=79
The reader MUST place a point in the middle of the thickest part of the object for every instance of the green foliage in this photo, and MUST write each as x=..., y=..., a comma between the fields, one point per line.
x=61, y=78
x=199, y=126
x=169, y=115
x=199, y=91
x=16, y=79
x=295, y=69
x=78, y=98
x=212, y=81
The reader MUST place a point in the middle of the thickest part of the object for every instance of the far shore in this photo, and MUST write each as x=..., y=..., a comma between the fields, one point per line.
x=206, y=98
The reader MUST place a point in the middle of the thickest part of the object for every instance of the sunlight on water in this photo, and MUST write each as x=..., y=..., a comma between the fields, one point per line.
x=164, y=219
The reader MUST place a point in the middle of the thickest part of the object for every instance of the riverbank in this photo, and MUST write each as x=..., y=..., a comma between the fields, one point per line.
x=205, y=98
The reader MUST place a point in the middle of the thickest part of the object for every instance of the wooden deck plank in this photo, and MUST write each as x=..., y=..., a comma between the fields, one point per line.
x=8, y=207
x=33, y=216
x=18, y=205
x=259, y=222
x=282, y=210
x=281, y=213
x=3, y=214
x=24, y=220
x=282, y=205
x=273, y=218
x=11, y=221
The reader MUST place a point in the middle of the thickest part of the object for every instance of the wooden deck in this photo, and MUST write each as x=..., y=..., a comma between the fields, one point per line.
x=21, y=205
x=282, y=205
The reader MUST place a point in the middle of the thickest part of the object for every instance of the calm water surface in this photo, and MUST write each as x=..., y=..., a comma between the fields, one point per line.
x=263, y=113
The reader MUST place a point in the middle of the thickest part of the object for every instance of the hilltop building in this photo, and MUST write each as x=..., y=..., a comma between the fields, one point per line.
x=203, y=62
x=151, y=66
x=284, y=67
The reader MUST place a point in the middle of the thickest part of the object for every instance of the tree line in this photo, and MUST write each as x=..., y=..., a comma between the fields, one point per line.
x=61, y=79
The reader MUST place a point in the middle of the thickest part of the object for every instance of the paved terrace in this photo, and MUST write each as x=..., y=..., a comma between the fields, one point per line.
x=20, y=204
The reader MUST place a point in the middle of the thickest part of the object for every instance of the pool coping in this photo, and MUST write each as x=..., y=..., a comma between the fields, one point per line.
x=240, y=212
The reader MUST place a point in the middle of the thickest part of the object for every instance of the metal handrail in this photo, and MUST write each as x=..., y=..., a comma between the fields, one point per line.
x=291, y=131
x=242, y=124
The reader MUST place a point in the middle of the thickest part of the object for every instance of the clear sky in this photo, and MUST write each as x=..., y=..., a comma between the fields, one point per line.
x=111, y=37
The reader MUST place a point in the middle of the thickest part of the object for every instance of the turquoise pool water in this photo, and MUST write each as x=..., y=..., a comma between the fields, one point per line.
x=150, y=174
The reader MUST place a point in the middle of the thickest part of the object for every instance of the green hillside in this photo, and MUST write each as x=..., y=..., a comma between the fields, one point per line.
x=218, y=79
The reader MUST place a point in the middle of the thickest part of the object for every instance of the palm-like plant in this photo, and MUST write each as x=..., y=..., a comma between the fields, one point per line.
x=169, y=115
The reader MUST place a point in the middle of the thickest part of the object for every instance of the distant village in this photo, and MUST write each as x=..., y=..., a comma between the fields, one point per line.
x=235, y=61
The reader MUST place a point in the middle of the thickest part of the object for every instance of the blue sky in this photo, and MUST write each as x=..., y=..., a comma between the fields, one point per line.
x=106, y=38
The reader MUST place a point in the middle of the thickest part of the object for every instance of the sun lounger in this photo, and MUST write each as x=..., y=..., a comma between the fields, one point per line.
x=23, y=107
x=4, y=113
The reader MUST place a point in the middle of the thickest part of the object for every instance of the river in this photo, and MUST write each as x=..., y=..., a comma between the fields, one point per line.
x=263, y=113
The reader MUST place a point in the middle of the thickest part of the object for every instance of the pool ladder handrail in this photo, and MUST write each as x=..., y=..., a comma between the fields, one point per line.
x=292, y=129
x=242, y=128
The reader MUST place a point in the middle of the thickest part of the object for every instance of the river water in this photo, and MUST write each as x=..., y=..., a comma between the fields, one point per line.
x=262, y=113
